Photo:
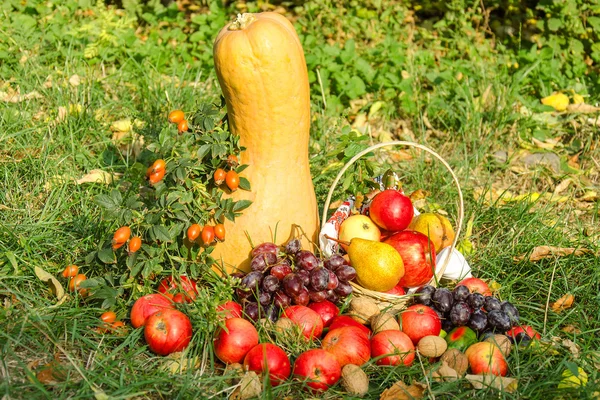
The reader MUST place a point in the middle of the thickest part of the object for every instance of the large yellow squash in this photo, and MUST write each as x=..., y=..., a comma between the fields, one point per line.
x=262, y=72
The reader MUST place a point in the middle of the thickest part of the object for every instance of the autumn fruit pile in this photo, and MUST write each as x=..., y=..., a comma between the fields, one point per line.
x=391, y=226
x=341, y=344
x=290, y=276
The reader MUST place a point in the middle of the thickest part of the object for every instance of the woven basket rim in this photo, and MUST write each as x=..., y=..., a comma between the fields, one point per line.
x=386, y=297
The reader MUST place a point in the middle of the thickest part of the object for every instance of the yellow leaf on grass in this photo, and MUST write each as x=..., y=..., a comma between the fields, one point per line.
x=122, y=125
x=54, y=284
x=502, y=383
x=558, y=101
x=563, y=303
x=578, y=99
x=542, y=252
x=97, y=176
x=570, y=380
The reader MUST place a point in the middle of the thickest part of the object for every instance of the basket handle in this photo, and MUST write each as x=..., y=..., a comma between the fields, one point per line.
x=459, y=220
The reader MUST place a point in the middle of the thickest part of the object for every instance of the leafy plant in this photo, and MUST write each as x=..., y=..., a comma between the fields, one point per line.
x=159, y=214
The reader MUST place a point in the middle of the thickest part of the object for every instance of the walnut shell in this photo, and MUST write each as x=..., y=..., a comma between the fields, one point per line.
x=362, y=309
x=354, y=380
x=456, y=360
x=383, y=322
x=284, y=324
x=503, y=343
x=432, y=346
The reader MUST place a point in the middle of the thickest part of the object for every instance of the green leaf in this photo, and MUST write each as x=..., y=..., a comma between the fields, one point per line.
x=595, y=23
x=244, y=183
x=241, y=205
x=106, y=202
x=107, y=255
x=161, y=233
x=554, y=24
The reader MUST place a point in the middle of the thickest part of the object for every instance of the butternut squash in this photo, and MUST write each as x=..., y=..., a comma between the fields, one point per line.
x=262, y=72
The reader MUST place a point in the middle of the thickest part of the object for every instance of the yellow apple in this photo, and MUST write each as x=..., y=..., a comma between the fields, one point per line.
x=358, y=226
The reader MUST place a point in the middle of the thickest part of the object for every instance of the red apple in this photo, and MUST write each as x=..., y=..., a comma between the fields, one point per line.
x=397, y=290
x=147, y=305
x=345, y=320
x=235, y=340
x=476, y=285
x=418, y=256
x=229, y=309
x=358, y=226
x=168, y=331
x=267, y=358
x=418, y=321
x=486, y=358
x=307, y=319
x=391, y=210
x=528, y=330
x=348, y=344
x=318, y=368
x=326, y=310
x=394, y=347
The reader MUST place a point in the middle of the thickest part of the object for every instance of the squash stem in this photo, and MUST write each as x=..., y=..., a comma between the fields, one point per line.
x=242, y=21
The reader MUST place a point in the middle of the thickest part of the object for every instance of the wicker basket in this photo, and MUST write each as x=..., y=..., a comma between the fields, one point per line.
x=388, y=301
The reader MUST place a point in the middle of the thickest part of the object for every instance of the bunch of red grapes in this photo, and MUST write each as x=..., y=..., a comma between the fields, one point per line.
x=281, y=277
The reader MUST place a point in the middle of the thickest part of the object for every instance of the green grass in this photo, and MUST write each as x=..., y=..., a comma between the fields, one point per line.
x=443, y=81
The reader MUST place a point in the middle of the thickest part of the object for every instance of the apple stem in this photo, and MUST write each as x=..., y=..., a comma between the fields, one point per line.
x=338, y=240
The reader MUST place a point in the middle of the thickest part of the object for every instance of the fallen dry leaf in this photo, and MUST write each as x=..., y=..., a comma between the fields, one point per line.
x=594, y=358
x=401, y=391
x=249, y=387
x=572, y=347
x=502, y=383
x=51, y=373
x=444, y=373
x=177, y=363
x=54, y=284
x=582, y=108
x=75, y=80
x=541, y=252
x=563, y=303
x=97, y=176
x=16, y=97
x=571, y=329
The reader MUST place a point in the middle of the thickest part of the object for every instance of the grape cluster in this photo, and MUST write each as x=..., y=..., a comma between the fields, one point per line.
x=290, y=276
x=460, y=307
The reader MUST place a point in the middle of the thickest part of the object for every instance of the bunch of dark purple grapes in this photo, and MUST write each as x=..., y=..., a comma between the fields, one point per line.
x=291, y=276
x=460, y=307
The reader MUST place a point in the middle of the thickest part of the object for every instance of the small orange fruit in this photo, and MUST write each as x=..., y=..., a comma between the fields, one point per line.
x=232, y=161
x=219, y=176
x=120, y=237
x=156, y=177
x=208, y=234
x=176, y=116
x=159, y=165
x=70, y=271
x=182, y=126
x=134, y=244
x=76, y=281
x=193, y=232
x=108, y=317
x=220, y=231
x=232, y=180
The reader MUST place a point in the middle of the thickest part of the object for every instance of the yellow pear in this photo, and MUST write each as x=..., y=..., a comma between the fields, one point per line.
x=435, y=226
x=360, y=226
x=378, y=265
